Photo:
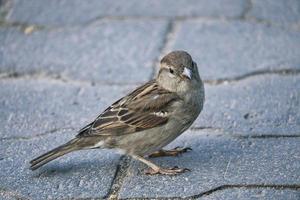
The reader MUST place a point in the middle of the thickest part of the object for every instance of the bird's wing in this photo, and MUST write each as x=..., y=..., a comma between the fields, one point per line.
x=146, y=107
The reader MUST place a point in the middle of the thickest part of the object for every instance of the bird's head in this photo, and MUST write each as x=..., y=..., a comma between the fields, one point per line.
x=178, y=72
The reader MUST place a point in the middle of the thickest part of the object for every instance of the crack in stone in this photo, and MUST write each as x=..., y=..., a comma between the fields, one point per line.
x=39, y=135
x=121, y=173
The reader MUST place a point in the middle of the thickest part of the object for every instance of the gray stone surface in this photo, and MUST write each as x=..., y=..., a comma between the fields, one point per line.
x=80, y=174
x=215, y=161
x=227, y=49
x=268, y=104
x=97, y=52
x=282, y=12
x=253, y=194
x=62, y=62
x=62, y=12
x=10, y=195
x=33, y=107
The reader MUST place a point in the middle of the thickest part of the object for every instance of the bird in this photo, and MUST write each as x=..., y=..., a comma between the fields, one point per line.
x=143, y=122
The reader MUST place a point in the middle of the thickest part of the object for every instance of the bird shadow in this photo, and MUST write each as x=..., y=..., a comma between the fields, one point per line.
x=69, y=168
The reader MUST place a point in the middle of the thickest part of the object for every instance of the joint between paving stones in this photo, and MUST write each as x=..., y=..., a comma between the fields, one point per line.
x=59, y=78
x=224, y=133
x=121, y=173
x=5, y=8
x=22, y=27
x=64, y=79
x=246, y=186
x=284, y=72
x=171, y=31
x=243, y=18
x=224, y=187
x=266, y=136
x=39, y=135
x=163, y=46
x=220, y=130
x=247, y=9
x=197, y=128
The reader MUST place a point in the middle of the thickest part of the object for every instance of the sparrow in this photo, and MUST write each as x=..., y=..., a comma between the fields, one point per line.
x=144, y=121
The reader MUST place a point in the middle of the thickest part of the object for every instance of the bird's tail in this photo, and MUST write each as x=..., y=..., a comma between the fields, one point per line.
x=55, y=153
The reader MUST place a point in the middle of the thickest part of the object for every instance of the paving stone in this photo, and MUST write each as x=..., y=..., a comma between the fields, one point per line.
x=228, y=49
x=85, y=174
x=62, y=12
x=10, y=195
x=217, y=160
x=253, y=194
x=33, y=107
x=259, y=105
x=40, y=114
x=98, y=52
x=281, y=12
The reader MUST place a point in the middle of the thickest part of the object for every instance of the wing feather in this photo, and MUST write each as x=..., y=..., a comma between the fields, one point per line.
x=132, y=113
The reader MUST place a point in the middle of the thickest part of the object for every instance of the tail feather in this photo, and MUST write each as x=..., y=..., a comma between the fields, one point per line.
x=53, y=154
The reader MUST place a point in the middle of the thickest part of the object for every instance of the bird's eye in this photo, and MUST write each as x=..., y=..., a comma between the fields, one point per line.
x=171, y=70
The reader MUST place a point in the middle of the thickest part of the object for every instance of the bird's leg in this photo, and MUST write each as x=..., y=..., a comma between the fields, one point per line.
x=173, y=152
x=154, y=169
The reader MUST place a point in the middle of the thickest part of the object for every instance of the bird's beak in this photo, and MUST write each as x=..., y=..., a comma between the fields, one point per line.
x=187, y=73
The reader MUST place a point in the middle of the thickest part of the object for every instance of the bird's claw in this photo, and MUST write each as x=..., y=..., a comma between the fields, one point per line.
x=182, y=149
x=166, y=171
x=173, y=152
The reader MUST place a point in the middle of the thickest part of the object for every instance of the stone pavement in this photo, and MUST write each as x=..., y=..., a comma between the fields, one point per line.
x=64, y=61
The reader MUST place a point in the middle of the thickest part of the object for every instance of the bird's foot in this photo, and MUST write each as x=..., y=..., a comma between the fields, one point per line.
x=173, y=152
x=166, y=171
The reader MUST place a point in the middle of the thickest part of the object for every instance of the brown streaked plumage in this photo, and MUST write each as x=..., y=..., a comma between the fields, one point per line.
x=147, y=119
